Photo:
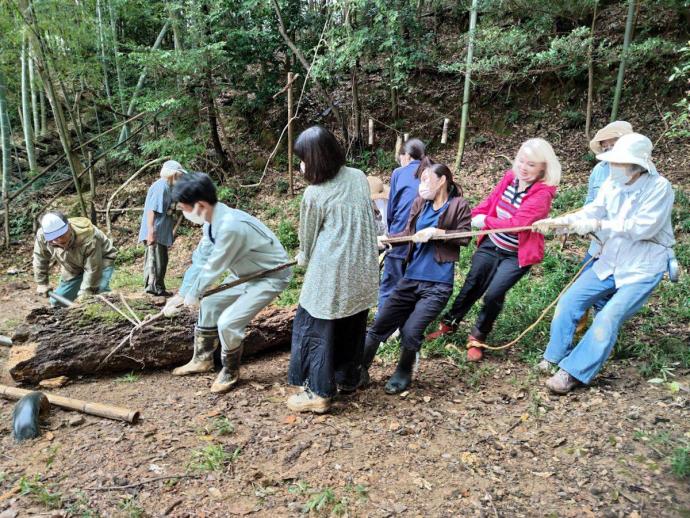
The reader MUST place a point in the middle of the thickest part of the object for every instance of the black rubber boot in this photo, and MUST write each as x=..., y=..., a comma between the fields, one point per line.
x=371, y=346
x=402, y=377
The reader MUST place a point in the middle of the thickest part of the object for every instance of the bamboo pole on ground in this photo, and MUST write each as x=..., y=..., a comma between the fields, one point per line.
x=290, y=79
x=86, y=407
x=466, y=92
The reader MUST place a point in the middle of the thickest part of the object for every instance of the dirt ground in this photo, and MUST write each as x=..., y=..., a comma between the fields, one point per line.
x=493, y=443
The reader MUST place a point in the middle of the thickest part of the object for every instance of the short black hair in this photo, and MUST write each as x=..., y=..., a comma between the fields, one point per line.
x=322, y=154
x=413, y=147
x=194, y=187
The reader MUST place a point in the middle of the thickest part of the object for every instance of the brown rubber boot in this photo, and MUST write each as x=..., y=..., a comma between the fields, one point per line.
x=205, y=342
x=230, y=373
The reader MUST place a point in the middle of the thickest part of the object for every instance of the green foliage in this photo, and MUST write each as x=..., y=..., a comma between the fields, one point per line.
x=223, y=426
x=130, y=507
x=680, y=462
x=130, y=377
x=42, y=493
x=213, y=457
x=287, y=233
x=127, y=255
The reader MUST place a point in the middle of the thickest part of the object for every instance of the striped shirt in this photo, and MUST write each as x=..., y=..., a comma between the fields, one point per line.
x=507, y=207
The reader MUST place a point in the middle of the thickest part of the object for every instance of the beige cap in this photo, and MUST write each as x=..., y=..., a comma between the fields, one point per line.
x=379, y=191
x=616, y=129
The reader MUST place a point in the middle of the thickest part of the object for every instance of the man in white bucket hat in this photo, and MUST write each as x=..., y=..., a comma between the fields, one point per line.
x=632, y=216
x=156, y=228
x=85, y=254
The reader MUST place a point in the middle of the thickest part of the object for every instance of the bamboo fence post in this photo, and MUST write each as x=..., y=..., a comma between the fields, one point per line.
x=406, y=137
x=290, y=132
x=371, y=132
x=444, y=135
x=398, y=144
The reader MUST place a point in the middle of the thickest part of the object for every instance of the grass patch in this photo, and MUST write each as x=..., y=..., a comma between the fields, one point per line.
x=97, y=311
x=214, y=457
x=129, y=254
x=130, y=377
x=674, y=452
x=41, y=493
x=222, y=426
x=130, y=507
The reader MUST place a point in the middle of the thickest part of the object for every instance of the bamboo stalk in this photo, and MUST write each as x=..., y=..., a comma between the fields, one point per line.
x=290, y=132
x=85, y=407
x=444, y=134
x=466, y=92
x=371, y=132
x=621, y=68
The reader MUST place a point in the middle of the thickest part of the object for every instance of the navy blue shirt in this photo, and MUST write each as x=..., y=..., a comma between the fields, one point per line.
x=404, y=190
x=423, y=266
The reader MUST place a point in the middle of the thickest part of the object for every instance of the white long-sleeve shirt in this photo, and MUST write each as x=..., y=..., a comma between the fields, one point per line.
x=635, y=230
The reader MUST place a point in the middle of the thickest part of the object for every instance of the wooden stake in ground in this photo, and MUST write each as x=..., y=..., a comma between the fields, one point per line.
x=444, y=134
x=371, y=132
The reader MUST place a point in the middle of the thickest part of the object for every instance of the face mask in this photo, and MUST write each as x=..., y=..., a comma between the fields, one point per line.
x=620, y=175
x=194, y=217
x=426, y=192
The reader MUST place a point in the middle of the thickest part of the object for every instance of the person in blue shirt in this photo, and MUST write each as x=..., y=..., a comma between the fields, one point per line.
x=156, y=228
x=427, y=284
x=403, y=191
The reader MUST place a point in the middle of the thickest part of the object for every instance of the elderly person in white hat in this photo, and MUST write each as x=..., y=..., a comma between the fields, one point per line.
x=85, y=254
x=157, y=228
x=632, y=216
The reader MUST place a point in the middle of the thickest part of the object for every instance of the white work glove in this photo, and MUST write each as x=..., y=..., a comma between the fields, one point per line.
x=43, y=289
x=173, y=306
x=425, y=235
x=191, y=301
x=585, y=226
x=301, y=260
x=478, y=221
x=546, y=226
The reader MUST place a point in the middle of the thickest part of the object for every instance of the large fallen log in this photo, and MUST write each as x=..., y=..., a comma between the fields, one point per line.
x=76, y=341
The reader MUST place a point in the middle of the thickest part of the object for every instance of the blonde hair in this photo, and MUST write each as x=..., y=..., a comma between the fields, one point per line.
x=540, y=150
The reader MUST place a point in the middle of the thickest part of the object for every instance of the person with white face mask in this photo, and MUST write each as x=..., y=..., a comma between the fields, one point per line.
x=523, y=196
x=632, y=216
x=427, y=284
x=234, y=244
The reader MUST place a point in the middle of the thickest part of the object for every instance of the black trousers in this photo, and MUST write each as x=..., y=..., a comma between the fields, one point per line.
x=411, y=307
x=493, y=272
x=155, y=266
x=326, y=353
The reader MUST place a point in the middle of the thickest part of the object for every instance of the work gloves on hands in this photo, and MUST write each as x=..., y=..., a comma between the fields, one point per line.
x=478, y=221
x=191, y=301
x=424, y=235
x=585, y=226
x=43, y=289
x=561, y=226
x=173, y=306
x=550, y=225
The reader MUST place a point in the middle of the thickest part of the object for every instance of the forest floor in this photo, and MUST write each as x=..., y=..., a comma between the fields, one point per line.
x=466, y=440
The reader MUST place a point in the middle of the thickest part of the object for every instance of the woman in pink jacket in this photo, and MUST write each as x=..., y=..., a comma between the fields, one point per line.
x=523, y=196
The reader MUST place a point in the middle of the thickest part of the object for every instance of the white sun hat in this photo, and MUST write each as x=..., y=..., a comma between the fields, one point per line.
x=170, y=168
x=53, y=226
x=633, y=148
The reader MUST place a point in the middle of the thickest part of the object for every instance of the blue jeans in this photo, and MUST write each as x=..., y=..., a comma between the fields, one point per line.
x=70, y=289
x=599, y=304
x=586, y=359
x=393, y=271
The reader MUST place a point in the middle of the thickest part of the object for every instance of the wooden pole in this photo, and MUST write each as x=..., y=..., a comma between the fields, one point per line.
x=85, y=407
x=290, y=133
x=371, y=132
x=92, y=188
x=398, y=144
x=444, y=135
x=406, y=137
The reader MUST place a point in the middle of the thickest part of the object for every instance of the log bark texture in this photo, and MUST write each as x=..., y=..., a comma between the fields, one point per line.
x=71, y=342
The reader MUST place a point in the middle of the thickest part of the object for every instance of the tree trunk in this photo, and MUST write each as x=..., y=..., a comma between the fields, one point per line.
x=59, y=117
x=72, y=342
x=466, y=92
x=118, y=71
x=356, y=108
x=44, y=111
x=104, y=63
x=142, y=78
x=6, y=155
x=621, y=68
x=26, y=109
x=590, y=74
x=34, y=95
x=213, y=125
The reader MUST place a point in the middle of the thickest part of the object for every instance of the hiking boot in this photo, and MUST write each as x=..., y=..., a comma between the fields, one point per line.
x=546, y=367
x=561, y=383
x=205, y=342
x=443, y=329
x=307, y=401
x=475, y=351
x=229, y=375
x=402, y=377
